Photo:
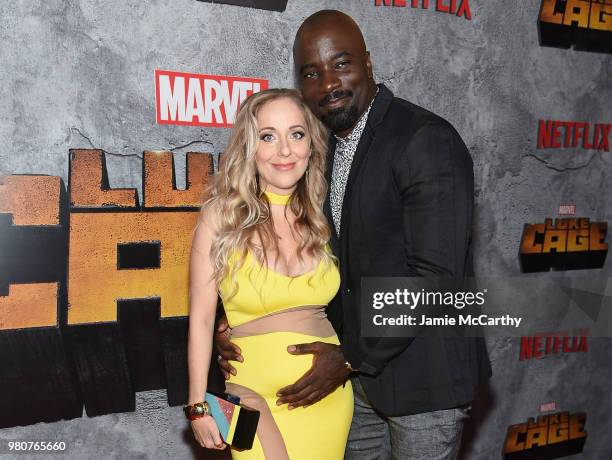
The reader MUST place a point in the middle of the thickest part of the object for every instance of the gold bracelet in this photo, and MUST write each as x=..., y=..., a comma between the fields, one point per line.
x=197, y=410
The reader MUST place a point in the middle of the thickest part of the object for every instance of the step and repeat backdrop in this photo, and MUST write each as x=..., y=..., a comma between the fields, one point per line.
x=113, y=117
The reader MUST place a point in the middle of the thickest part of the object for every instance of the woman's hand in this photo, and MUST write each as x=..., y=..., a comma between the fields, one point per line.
x=207, y=433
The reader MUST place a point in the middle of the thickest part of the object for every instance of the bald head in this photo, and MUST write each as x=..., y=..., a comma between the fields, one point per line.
x=324, y=21
x=333, y=69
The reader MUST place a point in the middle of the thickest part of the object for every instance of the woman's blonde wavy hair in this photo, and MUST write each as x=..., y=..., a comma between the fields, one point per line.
x=242, y=209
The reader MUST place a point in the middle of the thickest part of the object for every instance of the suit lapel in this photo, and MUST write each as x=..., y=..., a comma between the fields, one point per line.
x=379, y=109
x=327, y=205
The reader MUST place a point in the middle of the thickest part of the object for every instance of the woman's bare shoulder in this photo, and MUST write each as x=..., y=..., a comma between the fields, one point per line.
x=210, y=216
x=208, y=224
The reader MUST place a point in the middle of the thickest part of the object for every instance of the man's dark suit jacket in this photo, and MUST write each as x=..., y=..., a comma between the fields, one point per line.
x=407, y=211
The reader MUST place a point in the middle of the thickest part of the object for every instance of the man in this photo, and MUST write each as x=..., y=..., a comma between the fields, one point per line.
x=400, y=202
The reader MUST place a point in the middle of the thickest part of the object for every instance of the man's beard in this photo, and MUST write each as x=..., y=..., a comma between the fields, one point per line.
x=341, y=119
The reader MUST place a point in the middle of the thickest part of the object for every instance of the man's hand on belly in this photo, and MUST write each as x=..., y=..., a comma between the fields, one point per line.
x=227, y=350
x=327, y=373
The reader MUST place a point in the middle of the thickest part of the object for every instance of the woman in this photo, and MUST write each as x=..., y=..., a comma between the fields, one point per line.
x=261, y=244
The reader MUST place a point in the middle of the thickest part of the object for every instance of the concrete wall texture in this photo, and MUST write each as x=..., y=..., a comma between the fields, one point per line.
x=79, y=74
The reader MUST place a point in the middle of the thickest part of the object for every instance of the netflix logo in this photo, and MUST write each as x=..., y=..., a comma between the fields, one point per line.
x=456, y=7
x=554, y=134
x=201, y=100
x=552, y=343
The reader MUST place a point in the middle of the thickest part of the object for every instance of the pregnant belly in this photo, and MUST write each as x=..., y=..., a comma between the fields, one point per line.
x=267, y=365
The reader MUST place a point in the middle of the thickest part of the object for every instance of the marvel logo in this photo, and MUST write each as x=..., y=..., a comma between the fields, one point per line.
x=201, y=100
x=567, y=209
x=547, y=407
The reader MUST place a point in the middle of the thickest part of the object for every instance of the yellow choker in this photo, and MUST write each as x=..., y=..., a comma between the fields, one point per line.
x=275, y=198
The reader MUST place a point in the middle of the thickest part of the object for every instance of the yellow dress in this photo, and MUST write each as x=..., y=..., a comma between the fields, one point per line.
x=319, y=431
